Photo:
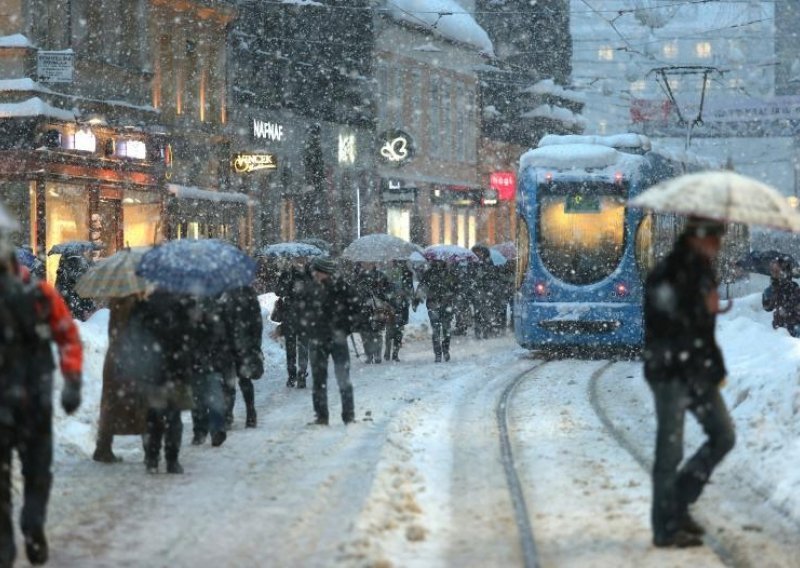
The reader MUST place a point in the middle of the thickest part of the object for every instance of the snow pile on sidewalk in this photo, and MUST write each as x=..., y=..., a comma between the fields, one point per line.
x=75, y=435
x=763, y=391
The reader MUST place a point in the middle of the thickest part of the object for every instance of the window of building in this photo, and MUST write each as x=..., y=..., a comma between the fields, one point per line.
x=67, y=219
x=398, y=222
x=670, y=50
x=141, y=215
x=703, y=49
x=638, y=86
x=448, y=147
x=461, y=125
x=605, y=54
x=383, y=89
x=674, y=84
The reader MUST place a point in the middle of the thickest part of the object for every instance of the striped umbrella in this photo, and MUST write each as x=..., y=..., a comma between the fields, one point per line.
x=114, y=277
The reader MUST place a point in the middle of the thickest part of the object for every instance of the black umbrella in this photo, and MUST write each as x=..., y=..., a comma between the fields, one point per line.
x=71, y=248
x=759, y=261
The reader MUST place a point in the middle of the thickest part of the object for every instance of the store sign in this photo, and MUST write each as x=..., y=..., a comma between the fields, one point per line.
x=395, y=191
x=347, y=148
x=490, y=197
x=246, y=163
x=55, y=66
x=505, y=183
x=396, y=147
x=271, y=131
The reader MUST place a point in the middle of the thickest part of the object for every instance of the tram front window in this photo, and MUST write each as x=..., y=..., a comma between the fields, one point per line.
x=581, y=230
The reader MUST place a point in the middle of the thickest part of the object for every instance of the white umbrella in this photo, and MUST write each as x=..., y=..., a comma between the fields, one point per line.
x=379, y=247
x=722, y=196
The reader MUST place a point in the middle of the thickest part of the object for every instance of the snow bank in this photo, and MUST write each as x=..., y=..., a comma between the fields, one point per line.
x=443, y=17
x=763, y=391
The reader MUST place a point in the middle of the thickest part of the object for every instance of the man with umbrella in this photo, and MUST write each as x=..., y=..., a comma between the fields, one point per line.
x=684, y=368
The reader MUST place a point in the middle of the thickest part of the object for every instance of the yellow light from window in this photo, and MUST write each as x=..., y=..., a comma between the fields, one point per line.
x=605, y=54
x=703, y=49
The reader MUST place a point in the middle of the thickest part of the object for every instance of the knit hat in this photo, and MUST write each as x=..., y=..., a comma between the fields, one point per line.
x=323, y=264
x=703, y=227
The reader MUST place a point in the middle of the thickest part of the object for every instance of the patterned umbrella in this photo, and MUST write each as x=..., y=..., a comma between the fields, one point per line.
x=204, y=267
x=291, y=250
x=114, y=277
x=450, y=253
x=379, y=247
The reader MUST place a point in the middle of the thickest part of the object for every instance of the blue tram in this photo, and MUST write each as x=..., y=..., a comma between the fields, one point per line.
x=582, y=254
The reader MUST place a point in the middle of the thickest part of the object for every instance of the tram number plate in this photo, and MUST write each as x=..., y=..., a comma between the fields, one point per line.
x=582, y=204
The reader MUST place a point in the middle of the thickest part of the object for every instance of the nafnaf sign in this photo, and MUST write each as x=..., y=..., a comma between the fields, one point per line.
x=395, y=147
x=265, y=130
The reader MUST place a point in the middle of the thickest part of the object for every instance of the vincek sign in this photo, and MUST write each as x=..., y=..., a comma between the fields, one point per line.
x=267, y=130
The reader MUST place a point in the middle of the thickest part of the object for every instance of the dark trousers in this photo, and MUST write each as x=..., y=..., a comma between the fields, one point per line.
x=440, y=316
x=208, y=414
x=675, y=489
x=296, y=354
x=372, y=340
x=163, y=424
x=394, y=340
x=248, y=394
x=319, y=351
x=34, y=444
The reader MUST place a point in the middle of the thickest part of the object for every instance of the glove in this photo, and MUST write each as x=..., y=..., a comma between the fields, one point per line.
x=71, y=395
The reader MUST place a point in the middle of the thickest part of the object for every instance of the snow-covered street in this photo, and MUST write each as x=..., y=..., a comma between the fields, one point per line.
x=418, y=480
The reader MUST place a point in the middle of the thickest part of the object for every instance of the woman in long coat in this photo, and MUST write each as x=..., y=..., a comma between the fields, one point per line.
x=123, y=410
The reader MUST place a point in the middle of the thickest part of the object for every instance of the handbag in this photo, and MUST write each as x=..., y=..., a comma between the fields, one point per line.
x=278, y=310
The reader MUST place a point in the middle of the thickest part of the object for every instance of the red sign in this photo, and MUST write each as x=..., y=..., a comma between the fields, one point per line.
x=647, y=110
x=505, y=183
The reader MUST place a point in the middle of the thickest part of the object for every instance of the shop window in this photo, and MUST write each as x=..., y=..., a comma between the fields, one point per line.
x=398, y=222
x=448, y=227
x=141, y=214
x=436, y=227
x=18, y=197
x=133, y=149
x=67, y=218
x=472, y=229
x=461, y=229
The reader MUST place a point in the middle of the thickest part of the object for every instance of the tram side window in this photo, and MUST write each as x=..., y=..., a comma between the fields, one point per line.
x=645, y=253
x=523, y=250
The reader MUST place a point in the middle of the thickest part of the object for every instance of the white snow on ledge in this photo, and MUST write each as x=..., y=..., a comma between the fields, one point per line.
x=302, y=2
x=191, y=192
x=555, y=112
x=16, y=40
x=23, y=84
x=548, y=87
x=446, y=18
x=35, y=107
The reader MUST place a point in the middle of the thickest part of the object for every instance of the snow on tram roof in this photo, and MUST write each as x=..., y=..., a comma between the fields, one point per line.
x=628, y=141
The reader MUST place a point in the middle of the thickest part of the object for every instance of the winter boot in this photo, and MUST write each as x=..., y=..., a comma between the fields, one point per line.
x=290, y=382
x=151, y=465
x=437, y=351
x=174, y=466
x=105, y=455
x=301, y=380
x=199, y=438
x=251, y=420
x=229, y=420
x=217, y=438
x=36, y=546
x=446, y=349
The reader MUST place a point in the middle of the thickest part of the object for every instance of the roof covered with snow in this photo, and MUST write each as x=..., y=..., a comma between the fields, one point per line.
x=629, y=140
x=548, y=87
x=445, y=18
x=35, y=107
x=565, y=157
x=191, y=192
x=16, y=40
x=555, y=112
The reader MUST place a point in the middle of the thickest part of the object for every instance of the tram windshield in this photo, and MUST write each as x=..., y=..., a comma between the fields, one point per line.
x=581, y=230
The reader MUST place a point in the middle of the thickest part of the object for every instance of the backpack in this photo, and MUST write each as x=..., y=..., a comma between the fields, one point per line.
x=23, y=335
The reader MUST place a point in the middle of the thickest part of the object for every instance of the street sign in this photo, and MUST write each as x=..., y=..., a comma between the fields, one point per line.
x=55, y=66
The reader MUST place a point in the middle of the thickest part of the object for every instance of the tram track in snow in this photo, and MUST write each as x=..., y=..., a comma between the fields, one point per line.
x=732, y=551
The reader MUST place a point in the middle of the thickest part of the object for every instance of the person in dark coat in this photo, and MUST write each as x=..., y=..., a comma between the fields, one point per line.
x=462, y=302
x=438, y=287
x=123, y=410
x=782, y=296
x=70, y=269
x=329, y=309
x=482, y=291
x=244, y=312
x=159, y=337
x=33, y=315
x=684, y=368
x=401, y=293
x=372, y=287
x=291, y=287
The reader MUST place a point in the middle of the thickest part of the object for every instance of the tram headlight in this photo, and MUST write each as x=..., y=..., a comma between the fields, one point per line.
x=621, y=289
x=540, y=289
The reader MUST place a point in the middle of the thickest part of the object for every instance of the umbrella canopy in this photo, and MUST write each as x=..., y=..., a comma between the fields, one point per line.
x=379, y=247
x=7, y=222
x=71, y=248
x=291, y=250
x=26, y=258
x=321, y=244
x=507, y=249
x=450, y=253
x=114, y=277
x=722, y=196
x=759, y=261
x=204, y=267
x=497, y=258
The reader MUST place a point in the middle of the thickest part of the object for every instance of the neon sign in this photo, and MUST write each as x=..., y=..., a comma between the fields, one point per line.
x=246, y=163
x=396, y=147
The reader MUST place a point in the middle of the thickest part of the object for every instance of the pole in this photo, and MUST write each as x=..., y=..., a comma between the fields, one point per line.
x=358, y=212
x=353, y=341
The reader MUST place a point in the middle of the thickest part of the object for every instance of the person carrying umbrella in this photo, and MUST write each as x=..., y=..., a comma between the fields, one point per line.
x=71, y=266
x=438, y=288
x=401, y=292
x=684, y=368
x=782, y=296
x=292, y=285
x=372, y=287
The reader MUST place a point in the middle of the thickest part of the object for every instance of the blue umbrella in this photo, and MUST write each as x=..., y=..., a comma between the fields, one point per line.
x=26, y=258
x=73, y=248
x=204, y=267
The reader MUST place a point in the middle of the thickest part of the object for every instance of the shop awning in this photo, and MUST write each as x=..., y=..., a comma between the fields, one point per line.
x=191, y=192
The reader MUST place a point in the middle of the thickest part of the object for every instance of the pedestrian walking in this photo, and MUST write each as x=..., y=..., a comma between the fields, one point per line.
x=438, y=288
x=32, y=314
x=71, y=266
x=123, y=409
x=158, y=331
x=401, y=293
x=372, y=288
x=782, y=296
x=684, y=368
x=291, y=288
x=244, y=312
x=482, y=291
x=330, y=310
